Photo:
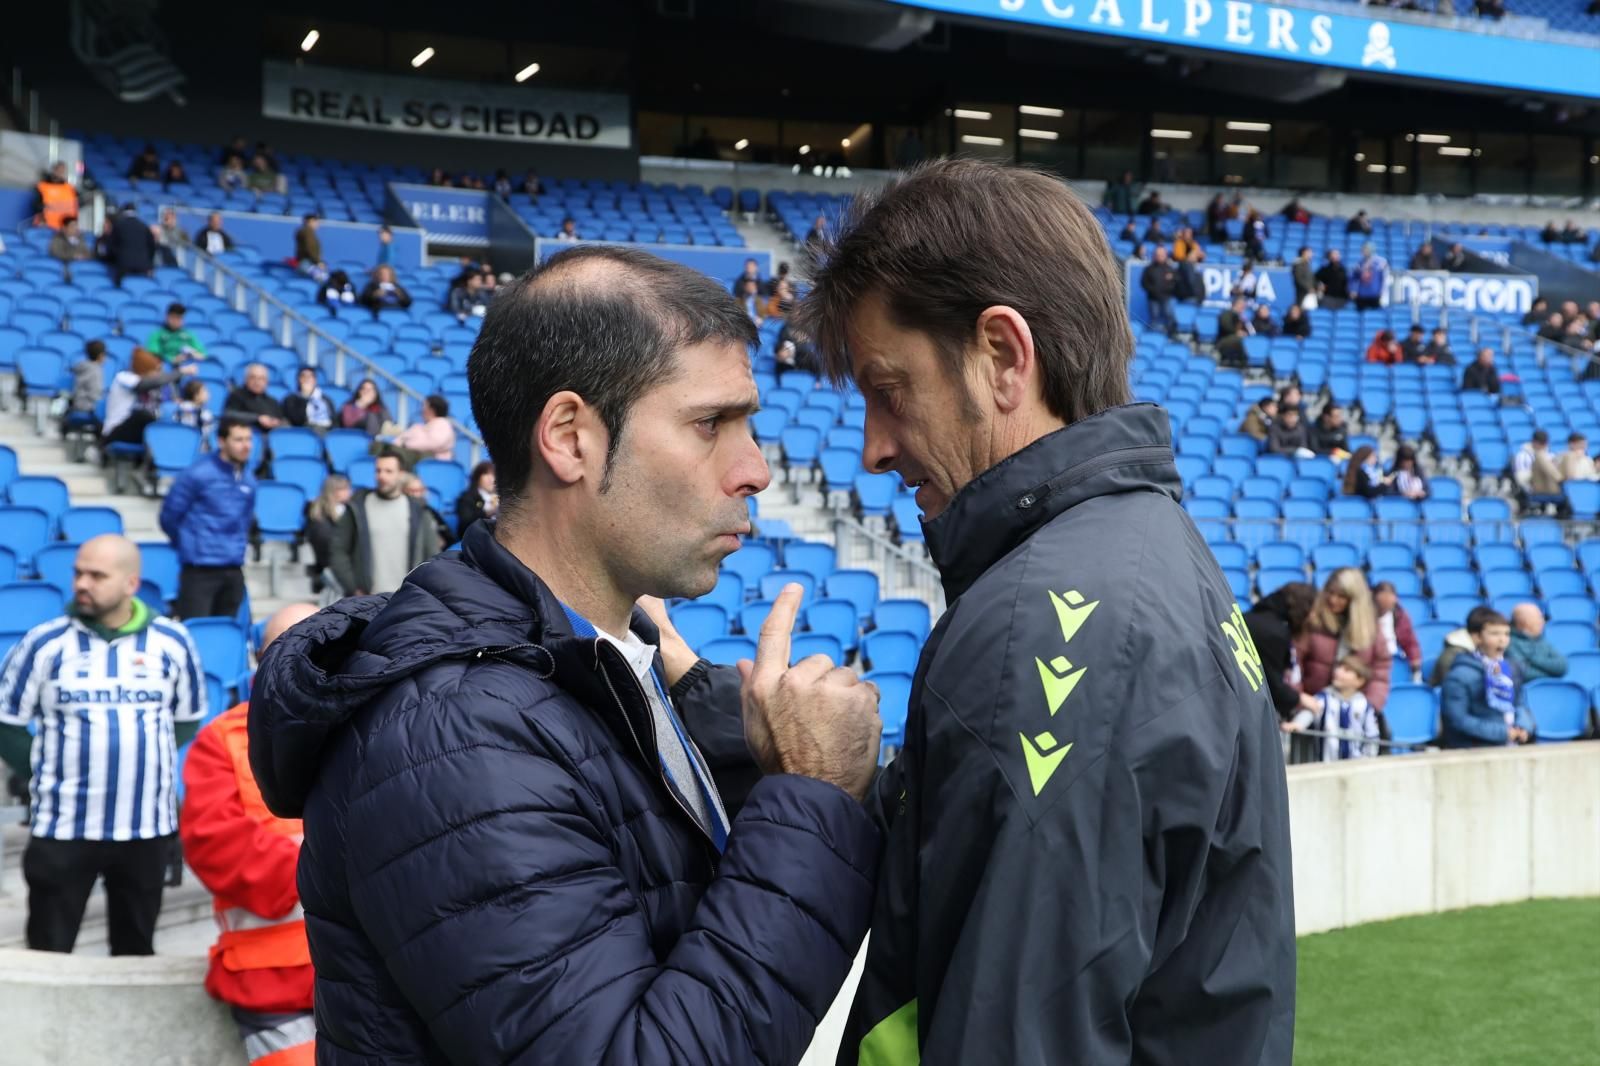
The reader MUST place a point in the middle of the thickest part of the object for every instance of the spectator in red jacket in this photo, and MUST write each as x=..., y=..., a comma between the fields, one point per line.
x=1343, y=621
x=1394, y=626
x=1385, y=349
x=246, y=856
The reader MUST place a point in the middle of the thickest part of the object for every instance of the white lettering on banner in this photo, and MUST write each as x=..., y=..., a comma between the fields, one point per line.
x=1219, y=282
x=1465, y=292
x=1106, y=11
x=1321, y=35
x=1147, y=18
x=1239, y=23
x=1196, y=13
x=1058, y=10
x=1280, y=30
x=470, y=214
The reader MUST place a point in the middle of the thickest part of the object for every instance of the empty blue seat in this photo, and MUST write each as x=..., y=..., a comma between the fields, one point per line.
x=224, y=651
x=875, y=493
x=727, y=651
x=860, y=587
x=891, y=650
x=1391, y=556
x=279, y=510
x=800, y=445
x=837, y=619
x=304, y=473
x=1335, y=556
x=444, y=476
x=25, y=604
x=698, y=623
x=1550, y=557
x=1497, y=583
x=906, y=616
x=1231, y=556
x=805, y=645
x=894, y=701
x=751, y=563
x=1445, y=557
x=907, y=519
x=1430, y=636
x=78, y=524
x=1453, y=582
x=1413, y=714
x=839, y=468
x=727, y=593
x=815, y=558
x=345, y=447
x=1561, y=582
x=1573, y=609
x=1271, y=579
x=1583, y=669
x=773, y=583
x=1570, y=637
x=172, y=447
x=1211, y=487
x=47, y=494
x=1560, y=709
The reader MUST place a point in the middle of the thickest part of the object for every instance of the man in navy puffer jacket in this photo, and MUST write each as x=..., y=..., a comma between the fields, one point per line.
x=530, y=837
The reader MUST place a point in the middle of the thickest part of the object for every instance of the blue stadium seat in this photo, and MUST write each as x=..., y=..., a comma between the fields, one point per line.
x=860, y=587
x=1570, y=637
x=304, y=473
x=751, y=562
x=907, y=519
x=1543, y=557
x=1445, y=557
x=1453, y=583
x=1335, y=556
x=1413, y=715
x=1583, y=668
x=345, y=447
x=1405, y=582
x=445, y=477
x=1573, y=609
x=47, y=494
x=726, y=651
x=815, y=558
x=772, y=584
x=699, y=623
x=25, y=604
x=752, y=615
x=1430, y=636
x=78, y=524
x=1238, y=582
x=906, y=616
x=800, y=446
x=892, y=651
x=837, y=619
x=280, y=511
x=894, y=701
x=875, y=493
x=805, y=645
x=1560, y=709
x=1561, y=582
x=1584, y=498
x=158, y=565
x=728, y=593
x=1211, y=487
x=1497, y=557
x=172, y=447
x=224, y=651
x=1271, y=579
x=1497, y=583
x=1231, y=556
x=839, y=468
x=1391, y=556
x=1281, y=555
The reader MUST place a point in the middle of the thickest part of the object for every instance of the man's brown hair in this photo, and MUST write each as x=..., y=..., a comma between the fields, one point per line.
x=945, y=240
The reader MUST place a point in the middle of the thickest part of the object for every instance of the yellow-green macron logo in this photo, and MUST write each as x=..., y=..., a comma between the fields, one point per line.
x=1058, y=677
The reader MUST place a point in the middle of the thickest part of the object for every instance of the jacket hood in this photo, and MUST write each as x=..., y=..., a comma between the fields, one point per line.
x=463, y=604
x=1459, y=638
x=1123, y=449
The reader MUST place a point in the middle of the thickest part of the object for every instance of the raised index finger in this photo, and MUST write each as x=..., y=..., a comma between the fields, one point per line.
x=772, y=647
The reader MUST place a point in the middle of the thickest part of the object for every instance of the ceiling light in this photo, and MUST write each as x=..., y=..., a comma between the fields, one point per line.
x=1377, y=168
x=845, y=143
x=1594, y=160
x=805, y=149
x=527, y=72
x=1433, y=138
x=972, y=138
x=1249, y=127
x=1039, y=135
x=1172, y=135
x=1361, y=157
x=1042, y=112
x=981, y=116
x=422, y=56
x=309, y=41
x=1411, y=137
x=1242, y=149
x=741, y=144
x=1397, y=170
x=1448, y=150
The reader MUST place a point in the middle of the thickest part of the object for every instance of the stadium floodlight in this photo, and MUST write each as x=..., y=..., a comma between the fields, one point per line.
x=1449, y=150
x=1377, y=168
x=1397, y=170
x=309, y=41
x=1172, y=135
x=527, y=72
x=1361, y=157
x=805, y=149
x=422, y=56
x=1433, y=138
x=1242, y=149
x=1042, y=112
x=1249, y=127
x=741, y=144
x=844, y=143
x=1039, y=135
x=973, y=138
x=981, y=116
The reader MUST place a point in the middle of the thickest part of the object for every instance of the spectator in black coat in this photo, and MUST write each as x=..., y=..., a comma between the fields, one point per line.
x=1414, y=345
x=1296, y=323
x=1160, y=281
x=479, y=500
x=250, y=403
x=1482, y=375
x=307, y=406
x=751, y=272
x=1359, y=223
x=1333, y=282
x=1438, y=351
x=146, y=166
x=322, y=518
x=1554, y=328
x=130, y=246
x=1151, y=204
x=1262, y=324
x=1425, y=258
x=212, y=238
x=1275, y=622
x=1538, y=311
x=1287, y=435
x=1233, y=326
x=1456, y=260
x=1330, y=435
x=384, y=292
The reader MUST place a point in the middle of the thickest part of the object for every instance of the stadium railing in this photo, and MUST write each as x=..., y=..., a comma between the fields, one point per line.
x=905, y=573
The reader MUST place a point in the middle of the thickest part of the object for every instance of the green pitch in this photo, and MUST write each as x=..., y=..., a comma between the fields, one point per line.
x=1493, y=986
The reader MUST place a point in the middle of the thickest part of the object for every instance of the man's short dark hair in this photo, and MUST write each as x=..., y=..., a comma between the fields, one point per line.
x=948, y=239
x=176, y=309
x=95, y=350
x=389, y=451
x=438, y=404
x=598, y=320
x=1572, y=438
x=312, y=217
x=1304, y=248
x=228, y=425
x=1541, y=437
x=1481, y=618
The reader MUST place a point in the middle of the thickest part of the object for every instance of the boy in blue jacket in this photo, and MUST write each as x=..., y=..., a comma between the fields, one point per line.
x=1482, y=703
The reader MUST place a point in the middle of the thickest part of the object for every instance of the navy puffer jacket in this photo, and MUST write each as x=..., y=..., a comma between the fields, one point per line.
x=494, y=868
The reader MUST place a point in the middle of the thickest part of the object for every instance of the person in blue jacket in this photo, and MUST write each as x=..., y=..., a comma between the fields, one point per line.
x=1481, y=703
x=534, y=829
x=206, y=515
x=1371, y=279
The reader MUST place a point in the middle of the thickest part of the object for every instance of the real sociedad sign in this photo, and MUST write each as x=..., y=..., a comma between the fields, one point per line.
x=1354, y=41
x=1489, y=293
x=444, y=108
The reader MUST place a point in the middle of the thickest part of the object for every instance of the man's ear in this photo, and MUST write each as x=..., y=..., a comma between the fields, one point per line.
x=571, y=439
x=1009, y=362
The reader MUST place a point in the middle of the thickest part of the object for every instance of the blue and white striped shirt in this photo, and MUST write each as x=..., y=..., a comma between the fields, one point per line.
x=104, y=756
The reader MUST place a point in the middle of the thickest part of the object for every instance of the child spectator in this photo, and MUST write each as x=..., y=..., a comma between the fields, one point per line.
x=88, y=389
x=194, y=409
x=1482, y=703
x=1343, y=710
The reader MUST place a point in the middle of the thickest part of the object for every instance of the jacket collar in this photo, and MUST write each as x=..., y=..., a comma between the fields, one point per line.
x=1123, y=449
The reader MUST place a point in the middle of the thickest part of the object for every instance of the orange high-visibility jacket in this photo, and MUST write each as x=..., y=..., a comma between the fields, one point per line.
x=59, y=200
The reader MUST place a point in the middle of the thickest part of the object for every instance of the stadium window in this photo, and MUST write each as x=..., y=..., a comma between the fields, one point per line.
x=714, y=137
x=1505, y=163
x=661, y=133
x=1443, y=166
x=1300, y=154
x=1181, y=147
x=1558, y=164
x=985, y=131
x=824, y=144
x=1244, y=152
x=1048, y=137
x=1112, y=143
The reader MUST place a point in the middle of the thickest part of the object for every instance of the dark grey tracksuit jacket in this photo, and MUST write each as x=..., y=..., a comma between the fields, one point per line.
x=1087, y=858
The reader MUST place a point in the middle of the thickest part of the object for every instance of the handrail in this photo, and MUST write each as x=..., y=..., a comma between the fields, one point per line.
x=1337, y=734
x=904, y=572
x=288, y=320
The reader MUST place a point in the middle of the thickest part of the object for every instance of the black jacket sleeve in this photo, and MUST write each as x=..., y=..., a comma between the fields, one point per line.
x=342, y=551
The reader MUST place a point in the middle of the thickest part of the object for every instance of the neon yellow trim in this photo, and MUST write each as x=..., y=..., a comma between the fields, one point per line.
x=893, y=1041
x=1042, y=761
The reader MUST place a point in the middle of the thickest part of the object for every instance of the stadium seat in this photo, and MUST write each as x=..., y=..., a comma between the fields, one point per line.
x=345, y=447
x=699, y=623
x=875, y=493
x=280, y=511
x=1560, y=709
x=1570, y=637
x=24, y=530
x=1573, y=609
x=79, y=524
x=224, y=651
x=887, y=650
x=47, y=494
x=727, y=651
x=894, y=701
x=304, y=473
x=1583, y=669
x=25, y=604
x=860, y=587
x=903, y=616
x=772, y=584
x=294, y=442
x=1430, y=636
x=1413, y=715
x=805, y=645
x=57, y=564
x=8, y=566
x=172, y=447
x=445, y=477
x=1562, y=582
x=728, y=593
x=837, y=619
x=1271, y=579
x=1336, y=556
x=1497, y=583
x=1455, y=608
x=817, y=559
x=839, y=468
x=751, y=562
x=158, y=564
x=1584, y=498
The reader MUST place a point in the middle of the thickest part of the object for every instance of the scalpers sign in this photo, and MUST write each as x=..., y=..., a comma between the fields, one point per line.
x=1488, y=293
x=444, y=108
x=1353, y=41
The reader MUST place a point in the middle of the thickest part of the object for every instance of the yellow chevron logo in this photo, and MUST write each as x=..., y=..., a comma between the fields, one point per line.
x=1072, y=612
x=1059, y=679
x=1043, y=755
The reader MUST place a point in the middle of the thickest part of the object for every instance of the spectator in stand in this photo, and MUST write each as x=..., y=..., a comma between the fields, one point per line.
x=68, y=246
x=1554, y=328
x=88, y=388
x=1404, y=477
x=308, y=248
x=1344, y=621
x=193, y=409
x=1438, y=352
x=777, y=279
x=1247, y=282
x=1184, y=243
x=261, y=179
x=532, y=187
x=479, y=500
x=1296, y=212
x=384, y=293
x=1305, y=277
x=173, y=175
x=1550, y=234
x=134, y=399
x=1572, y=233
x=1290, y=396
x=1233, y=325
x=385, y=255
x=146, y=166
x=337, y=291
x=1575, y=463
x=1529, y=651
x=1481, y=703
x=1359, y=223
x=54, y=198
x=1296, y=323
x=1258, y=420
x=1275, y=623
x=207, y=515
x=1413, y=346
x=1538, y=480
x=250, y=404
x=1385, y=349
x=569, y=230
x=781, y=303
x=1372, y=278
x=1255, y=235
x=1151, y=204
x=1364, y=475
x=1153, y=233
x=1456, y=260
x=1425, y=258
x=468, y=300
x=364, y=410
x=1538, y=311
x=1330, y=435
x=1394, y=625
x=1120, y=195
x=432, y=438
x=1159, y=283
x=414, y=488
x=1191, y=287
x=439, y=179
x=1287, y=435
x=1129, y=232
x=1333, y=282
x=1217, y=220
x=307, y=406
x=322, y=518
x=382, y=535
x=172, y=341
x=1482, y=375
x=168, y=237
x=750, y=299
x=131, y=247
x=237, y=150
x=502, y=185
x=232, y=175
x=795, y=350
x=213, y=239
x=1491, y=9
x=1261, y=322
x=751, y=272
x=1343, y=713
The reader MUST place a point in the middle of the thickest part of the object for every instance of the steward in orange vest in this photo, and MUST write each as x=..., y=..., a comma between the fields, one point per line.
x=58, y=200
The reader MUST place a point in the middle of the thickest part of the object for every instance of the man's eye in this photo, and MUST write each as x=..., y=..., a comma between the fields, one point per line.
x=709, y=425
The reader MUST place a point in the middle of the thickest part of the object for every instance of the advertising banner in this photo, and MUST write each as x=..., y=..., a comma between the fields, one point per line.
x=447, y=216
x=1477, y=293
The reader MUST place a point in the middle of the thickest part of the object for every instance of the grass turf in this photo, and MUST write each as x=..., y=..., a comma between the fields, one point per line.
x=1492, y=986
